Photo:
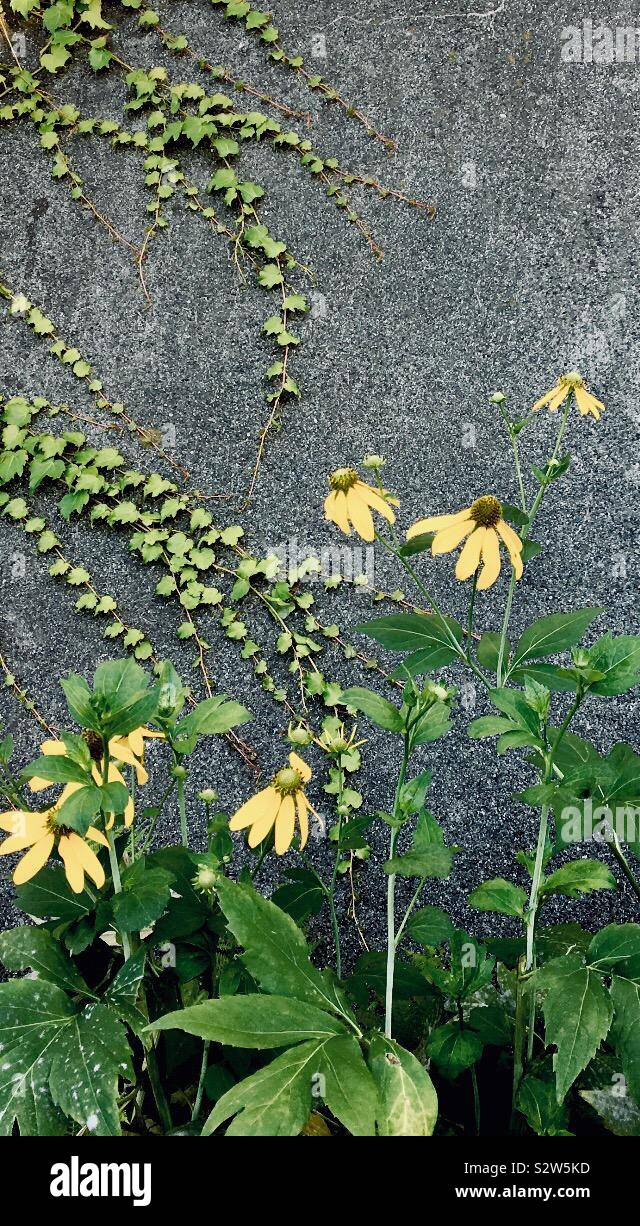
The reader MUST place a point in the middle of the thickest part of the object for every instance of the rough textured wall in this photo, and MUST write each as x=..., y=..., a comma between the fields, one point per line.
x=529, y=267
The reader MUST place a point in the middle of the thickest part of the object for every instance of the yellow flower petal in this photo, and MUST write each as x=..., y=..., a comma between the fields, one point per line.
x=514, y=545
x=491, y=559
x=34, y=860
x=17, y=842
x=266, y=801
x=302, y=806
x=300, y=766
x=435, y=523
x=285, y=825
x=360, y=515
x=96, y=836
x=119, y=750
x=87, y=859
x=559, y=396
x=449, y=538
x=21, y=824
x=587, y=403
x=263, y=824
x=469, y=559
x=53, y=748
x=74, y=871
x=373, y=499
x=335, y=509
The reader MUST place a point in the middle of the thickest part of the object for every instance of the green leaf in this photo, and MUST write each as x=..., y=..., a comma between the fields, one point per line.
x=274, y=1102
x=408, y=1104
x=488, y=650
x=35, y=948
x=379, y=710
x=577, y=1013
x=145, y=894
x=124, y=990
x=32, y=1016
x=543, y=1113
x=414, y=632
x=429, y=926
x=90, y=1054
x=348, y=1088
x=619, y=659
x=499, y=895
x=489, y=725
x=514, y=705
x=81, y=807
x=553, y=634
x=276, y=952
x=618, y=1112
x=262, y=1022
x=56, y=769
x=617, y=948
x=301, y=896
x=453, y=1049
x=579, y=877
x=49, y=895
x=417, y=544
x=211, y=716
x=625, y=1032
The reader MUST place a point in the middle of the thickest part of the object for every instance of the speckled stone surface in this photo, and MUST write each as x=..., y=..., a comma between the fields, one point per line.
x=529, y=267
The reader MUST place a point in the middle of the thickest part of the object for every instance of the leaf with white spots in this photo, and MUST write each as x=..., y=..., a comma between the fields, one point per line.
x=21, y=948
x=89, y=1057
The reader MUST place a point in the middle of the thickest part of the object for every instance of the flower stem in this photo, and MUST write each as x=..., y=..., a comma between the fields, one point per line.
x=535, y=506
x=200, y=1091
x=182, y=808
x=391, y=898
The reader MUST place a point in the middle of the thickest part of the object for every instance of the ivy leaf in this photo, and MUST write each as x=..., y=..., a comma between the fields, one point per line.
x=270, y=276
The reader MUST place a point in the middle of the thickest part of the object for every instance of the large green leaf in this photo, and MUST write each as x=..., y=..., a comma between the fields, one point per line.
x=619, y=659
x=276, y=952
x=579, y=877
x=378, y=709
x=428, y=856
x=348, y=1088
x=56, y=769
x=538, y=1103
x=617, y=948
x=21, y=948
x=577, y=1013
x=145, y=894
x=408, y=1104
x=32, y=1015
x=552, y=634
x=625, y=1032
x=49, y=895
x=274, y=1102
x=262, y=1022
x=454, y=1049
x=89, y=1056
x=415, y=632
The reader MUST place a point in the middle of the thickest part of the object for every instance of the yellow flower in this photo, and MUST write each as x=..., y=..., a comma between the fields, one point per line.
x=278, y=804
x=125, y=749
x=571, y=382
x=350, y=501
x=39, y=831
x=481, y=526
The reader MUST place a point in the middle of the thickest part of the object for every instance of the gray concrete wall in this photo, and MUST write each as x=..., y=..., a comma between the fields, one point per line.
x=530, y=267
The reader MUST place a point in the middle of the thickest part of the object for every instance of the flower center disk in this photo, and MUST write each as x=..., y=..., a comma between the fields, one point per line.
x=288, y=781
x=343, y=479
x=486, y=511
